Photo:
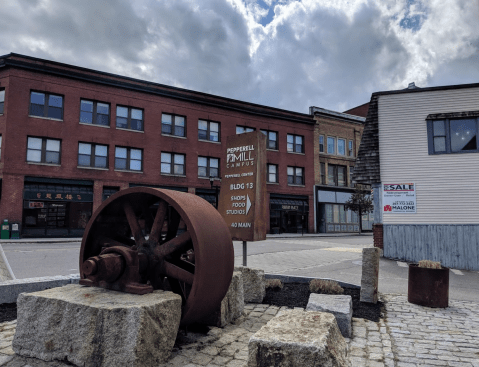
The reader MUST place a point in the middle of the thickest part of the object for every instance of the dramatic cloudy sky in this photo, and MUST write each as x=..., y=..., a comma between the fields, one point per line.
x=290, y=54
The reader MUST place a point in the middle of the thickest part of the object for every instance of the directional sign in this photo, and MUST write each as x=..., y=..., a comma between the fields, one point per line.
x=242, y=201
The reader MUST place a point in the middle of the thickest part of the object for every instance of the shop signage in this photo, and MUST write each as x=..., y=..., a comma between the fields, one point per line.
x=399, y=198
x=32, y=195
x=36, y=204
x=242, y=201
x=290, y=207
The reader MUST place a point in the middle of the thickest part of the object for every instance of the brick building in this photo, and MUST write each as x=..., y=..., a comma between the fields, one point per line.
x=337, y=137
x=70, y=137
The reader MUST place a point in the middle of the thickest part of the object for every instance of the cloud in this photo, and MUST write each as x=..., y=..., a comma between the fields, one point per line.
x=289, y=54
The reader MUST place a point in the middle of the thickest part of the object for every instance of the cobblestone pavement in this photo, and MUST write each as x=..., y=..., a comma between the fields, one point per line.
x=408, y=335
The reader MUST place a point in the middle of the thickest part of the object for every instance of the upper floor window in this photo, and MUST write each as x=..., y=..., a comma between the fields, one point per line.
x=95, y=113
x=2, y=100
x=322, y=168
x=208, y=130
x=0, y=146
x=243, y=129
x=331, y=145
x=453, y=136
x=43, y=150
x=129, y=159
x=271, y=139
x=92, y=155
x=129, y=118
x=336, y=175
x=173, y=164
x=295, y=143
x=321, y=143
x=46, y=105
x=173, y=125
x=341, y=146
x=351, y=171
x=350, y=149
x=272, y=173
x=295, y=175
x=208, y=167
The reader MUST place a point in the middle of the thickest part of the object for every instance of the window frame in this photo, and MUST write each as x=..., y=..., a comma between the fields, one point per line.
x=208, y=131
x=321, y=144
x=2, y=100
x=173, y=125
x=334, y=145
x=268, y=140
x=128, y=159
x=173, y=164
x=245, y=128
x=295, y=144
x=46, y=108
x=43, y=151
x=345, y=141
x=95, y=112
x=350, y=148
x=268, y=173
x=295, y=176
x=335, y=175
x=93, y=155
x=129, y=118
x=322, y=173
x=208, y=167
x=447, y=127
x=0, y=146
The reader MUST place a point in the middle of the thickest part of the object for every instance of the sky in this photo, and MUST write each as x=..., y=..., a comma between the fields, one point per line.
x=289, y=54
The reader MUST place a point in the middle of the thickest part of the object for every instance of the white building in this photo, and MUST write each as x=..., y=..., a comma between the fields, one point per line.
x=426, y=137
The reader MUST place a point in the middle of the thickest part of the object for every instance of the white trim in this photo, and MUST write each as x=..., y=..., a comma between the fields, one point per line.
x=45, y=164
x=96, y=125
x=96, y=168
x=209, y=141
x=135, y=131
x=173, y=136
x=127, y=171
x=169, y=174
x=45, y=118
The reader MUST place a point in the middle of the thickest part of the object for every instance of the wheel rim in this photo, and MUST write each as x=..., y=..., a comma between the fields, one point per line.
x=183, y=230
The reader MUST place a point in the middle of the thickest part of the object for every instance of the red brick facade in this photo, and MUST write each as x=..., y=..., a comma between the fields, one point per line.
x=21, y=75
x=378, y=238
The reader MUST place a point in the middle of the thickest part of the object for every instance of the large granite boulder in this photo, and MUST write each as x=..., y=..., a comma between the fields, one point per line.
x=298, y=338
x=338, y=305
x=97, y=327
x=232, y=305
x=253, y=284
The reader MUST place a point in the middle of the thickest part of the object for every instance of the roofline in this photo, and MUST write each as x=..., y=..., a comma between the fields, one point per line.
x=322, y=111
x=428, y=89
x=153, y=88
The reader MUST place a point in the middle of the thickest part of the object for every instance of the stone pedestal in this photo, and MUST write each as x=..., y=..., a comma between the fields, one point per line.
x=232, y=305
x=253, y=284
x=340, y=306
x=97, y=327
x=370, y=275
x=298, y=338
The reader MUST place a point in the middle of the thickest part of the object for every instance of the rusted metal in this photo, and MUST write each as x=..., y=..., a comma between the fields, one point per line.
x=428, y=287
x=141, y=239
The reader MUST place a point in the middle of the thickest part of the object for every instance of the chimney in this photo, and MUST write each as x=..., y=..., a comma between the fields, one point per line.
x=411, y=86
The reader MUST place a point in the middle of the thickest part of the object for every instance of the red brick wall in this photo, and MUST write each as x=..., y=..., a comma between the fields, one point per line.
x=378, y=235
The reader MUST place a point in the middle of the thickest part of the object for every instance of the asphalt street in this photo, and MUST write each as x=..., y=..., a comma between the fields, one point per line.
x=336, y=258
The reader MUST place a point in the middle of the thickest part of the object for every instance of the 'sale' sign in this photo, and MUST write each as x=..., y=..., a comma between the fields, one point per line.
x=242, y=200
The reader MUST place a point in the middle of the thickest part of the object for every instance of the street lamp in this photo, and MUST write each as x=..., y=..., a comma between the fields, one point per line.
x=216, y=187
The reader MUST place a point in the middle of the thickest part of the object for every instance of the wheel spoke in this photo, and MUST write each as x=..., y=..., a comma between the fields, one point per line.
x=173, y=225
x=133, y=222
x=178, y=273
x=176, y=244
x=158, y=222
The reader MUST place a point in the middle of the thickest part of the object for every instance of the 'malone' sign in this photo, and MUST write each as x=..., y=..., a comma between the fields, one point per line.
x=242, y=200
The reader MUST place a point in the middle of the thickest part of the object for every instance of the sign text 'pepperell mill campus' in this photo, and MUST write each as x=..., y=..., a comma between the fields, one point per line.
x=242, y=200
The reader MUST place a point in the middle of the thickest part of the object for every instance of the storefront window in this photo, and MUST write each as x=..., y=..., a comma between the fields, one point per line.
x=336, y=213
x=329, y=213
x=342, y=214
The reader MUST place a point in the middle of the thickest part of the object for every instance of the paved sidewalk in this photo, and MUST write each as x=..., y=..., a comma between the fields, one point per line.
x=408, y=335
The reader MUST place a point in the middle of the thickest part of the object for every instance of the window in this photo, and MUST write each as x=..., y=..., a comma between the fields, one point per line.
x=336, y=175
x=208, y=130
x=0, y=146
x=453, y=135
x=271, y=139
x=208, y=167
x=351, y=171
x=128, y=159
x=43, y=150
x=173, y=125
x=95, y=113
x=295, y=176
x=350, y=149
x=322, y=167
x=129, y=118
x=173, y=164
x=295, y=143
x=109, y=191
x=46, y=105
x=272, y=173
x=341, y=146
x=321, y=143
x=92, y=155
x=2, y=100
x=331, y=145
x=243, y=129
